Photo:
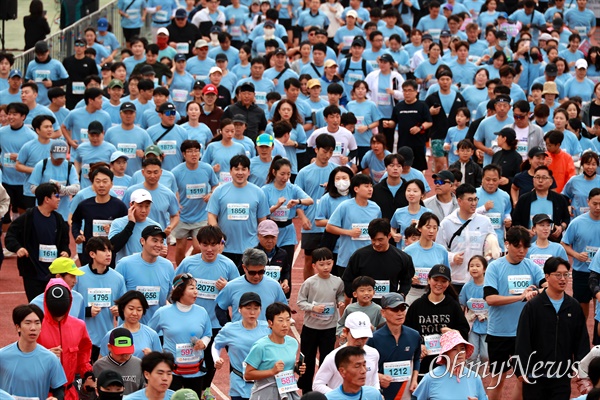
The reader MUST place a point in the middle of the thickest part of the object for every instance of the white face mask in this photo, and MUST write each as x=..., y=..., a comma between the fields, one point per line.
x=503, y=43
x=269, y=33
x=342, y=185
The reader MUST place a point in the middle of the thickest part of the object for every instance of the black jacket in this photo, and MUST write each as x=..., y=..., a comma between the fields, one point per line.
x=20, y=233
x=473, y=172
x=509, y=162
x=256, y=122
x=547, y=336
x=280, y=260
x=188, y=34
x=521, y=212
x=382, y=195
x=441, y=122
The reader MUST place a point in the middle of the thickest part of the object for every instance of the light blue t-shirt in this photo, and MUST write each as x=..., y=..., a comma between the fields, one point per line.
x=192, y=186
x=11, y=142
x=577, y=190
x=375, y=165
x=37, y=72
x=312, y=179
x=128, y=142
x=287, y=235
x=59, y=174
x=180, y=89
x=582, y=235
x=486, y=133
x=248, y=145
x=325, y=207
x=167, y=179
x=350, y=215
x=88, y=154
x=424, y=259
x=403, y=218
x=540, y=206
x=201, y=133
x=366, y=113
x=206, y=274
x=154, y=280
x=77, y=123
x=265, y=353
x=471, y=296
x=133, y=244
x=365, y=393
x=259, y=171
x=583, y=89
x=439, y=383
x=141, y=395
x=143, y=338
x=474, y=97
x=416, y=174
x=539, y=255
x=454, y=136
x=262, y=88
x=497, y=214
x=164, y=203
x=169, y=144
x=217, y=153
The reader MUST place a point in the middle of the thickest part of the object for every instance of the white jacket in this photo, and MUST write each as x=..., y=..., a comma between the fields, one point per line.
x=373, y=81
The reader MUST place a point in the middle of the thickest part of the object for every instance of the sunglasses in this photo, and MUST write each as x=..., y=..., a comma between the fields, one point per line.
x=57, y=195
x=440, y=182
x=401, y=307
x=519, y=117
x=254, y=273
x=170, y=113
x=79, y=44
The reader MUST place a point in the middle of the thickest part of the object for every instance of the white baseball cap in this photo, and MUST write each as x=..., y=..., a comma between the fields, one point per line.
x=140, y=195
x=581, y=63
x=359, y=324
x=164, y=31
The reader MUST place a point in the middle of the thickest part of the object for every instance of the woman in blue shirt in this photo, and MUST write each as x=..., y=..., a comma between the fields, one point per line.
x=242, y=70
x=283, y=198
x=195, y=129
x=405, y=216
x=477, y=93
x=186, y=331
x=286, y=110
x=372, y=163
x=498, y=61
x=579, y=186
x=488, y=17
x=367, y=116
x=219, y=152
x=425, y=72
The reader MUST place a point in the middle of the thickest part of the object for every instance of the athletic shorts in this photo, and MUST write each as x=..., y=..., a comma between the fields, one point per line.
x=581, y=289
x=183, y=230
x=17, y=199
x=500, y=350
x=310, y=242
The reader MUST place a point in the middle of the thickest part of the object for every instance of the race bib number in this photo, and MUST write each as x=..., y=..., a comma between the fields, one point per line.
x=360, y=120
x=582, y=30
x=48, y=253
x=225, y=177
x=98, y=227
x=168, y=147
x=85, y=171
x=128, y=149
x=364, y=231
x=478, y=306
x=496, y=219
x=185, y=353
x=347, y=40
x=455, y=148
x=25, y=398
x=286, y=382
x=522, y=148
x=435, y=33
x=238, y=211
x=327, y=313
x=374, y=64
x=422, y=274
x=42, y=74
x=207, y=289
x=351, y=78
x=162, y=15
x=119, y=191
x=591, y=252
x=84, y=135
x=339, y=149
x=235, y=31
x=151, y=293
x=99, y=297
x=261, y=98
x=133, y=14
x=78, y=87
x=7, y=162
x=518, y=283
x=400, y=371
x=377, y=175
x=182, y=48
x=384, y=99
x=273, y=271
x=180, y=95
x=381, y=287
x=583, y=210
x=282, y=214
x=195, y=190
x=539, y=259
x=432, y=344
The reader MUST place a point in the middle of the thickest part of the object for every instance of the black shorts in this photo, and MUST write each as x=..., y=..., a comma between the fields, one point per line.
x=500, y=350
x=581, y=287
x=129, y=33
x=17, y=199
x=286, y=23
x=310, y=242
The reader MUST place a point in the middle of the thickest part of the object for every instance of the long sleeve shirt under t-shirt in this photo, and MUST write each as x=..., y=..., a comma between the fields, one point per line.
x=319, y=291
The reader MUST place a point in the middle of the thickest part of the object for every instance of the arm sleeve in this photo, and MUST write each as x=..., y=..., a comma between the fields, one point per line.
x=406, y=277
x=222, y=315
x=59, y=392
x=120, y=239
x=594, y=282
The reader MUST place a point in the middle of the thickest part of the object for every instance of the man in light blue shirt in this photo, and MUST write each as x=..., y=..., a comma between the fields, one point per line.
x=433, y=23
x=485, y=137
x=200, y=66
x=45, y=72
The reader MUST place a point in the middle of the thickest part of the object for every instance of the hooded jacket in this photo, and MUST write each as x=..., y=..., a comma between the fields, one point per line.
x=69, y=333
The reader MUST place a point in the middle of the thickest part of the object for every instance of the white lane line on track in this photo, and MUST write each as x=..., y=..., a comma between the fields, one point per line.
x=218, y=392
x=12, y=292
x=296, y=254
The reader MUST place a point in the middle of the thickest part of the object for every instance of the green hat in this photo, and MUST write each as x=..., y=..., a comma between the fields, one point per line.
x=153, y=149
x=264, y=140
x=115, y=83
x=64, y=265
x=185, y=394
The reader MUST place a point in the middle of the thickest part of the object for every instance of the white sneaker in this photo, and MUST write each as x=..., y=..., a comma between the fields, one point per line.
x=7, y=253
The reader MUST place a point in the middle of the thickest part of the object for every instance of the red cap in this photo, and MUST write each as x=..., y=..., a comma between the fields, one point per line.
x=210, y=88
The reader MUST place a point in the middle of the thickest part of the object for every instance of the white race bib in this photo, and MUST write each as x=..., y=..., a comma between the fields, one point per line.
x=286, y=382
x=518, y=283
x=207, y=289
x=260, y=98
x=48, y=253
x=225, y=177
x=238, y=211
x=151, y=293
x=41, y=74
x=182, y=48
x=400, y=371
x=364, y=231
x=496, y=219
x=7, y=162
x=422, y=274
x=539, y=259
x=235, y=31
x=162, y=15
x=168, y=147
x=327, y=313
x=195, y=190
x=381, y=287
x=185, y=353
x=384, y=99
x=99, y=297
x=282, y=214
x=432, y=344
x=179, y=95
x=98, y=227
x=128, y=149
x=78, y=87
x=273, y=271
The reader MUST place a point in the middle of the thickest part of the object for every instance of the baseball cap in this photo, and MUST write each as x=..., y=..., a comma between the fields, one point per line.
x=312, y=83
x=102, y=25
x=427, y=36
x=240, y=118
x=352, y=14
x=185, y=394
x=359, y=324
x=105, y=66
x=153, y=230
x=210, y=88
x=115, y=83
x=408, y=154
x=147, y=70
x=504, y=15
x=221, y=57
x=121, y=341
x=387, y=58
x=545, y=37
x=536, y=151
x=180, y=13
x=41, y=47
x=448, y=7
x=508, y=133
x=109, y=377
x=444, y=175
x=166, y=107
x=14, y=72
x=215, y=69
x=581, y=63
x=247, y=87
x=153, y=149
x=164, y=31
x=440, y=270
x=116, y=155
x=199, y=84
x=392, y=300
x=79, y=40
x=539, y=218
x=140, y=196
x=446, y=33
x=95, y=127
x=59, y=149
x=201, y=43
x=65, y=265
x=215, y=29
x=264, y=139
x=358, y=41
x=269, y=24
x=250, y=297
x=127, y=106
x=279, y=51
x=551, y=69
x=330, y=63
x=268, y=227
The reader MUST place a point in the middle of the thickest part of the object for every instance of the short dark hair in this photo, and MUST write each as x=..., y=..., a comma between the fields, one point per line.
x=426, y=217
x=342, y=357
x=594, y=192
x=178, y=290
x=541, y=110
x=161, y=90
x=33, y=86
x=543, y=168
x=280, y=128
x=103, y=171
x=335, y=88
x=410, y=83
x=379, y=225
x=518, y=235
x=152, y=48
x=330, y=110
x=275, y=309
x=325, y=141
x=464, y=189
x=209, y=235
x=45, y=190
x=152, y=359
x=360, y=281
x=552, y=264
x=594, y=372
x=554, y=137
x=492, y=167
x=18, y=107
x=127, y=298
x=98, y=243
x=145, y=84
x=289, y=82
x=465, y=144
x=322, y=254
x=38, y=120
x=189, y=144
x=357, y=180
x=522, y=106
x=239, y=159
x=95, y=78
x=91, y=94
x=389, y=159
x=55, y=92
x=151, y=161
x=20, y=312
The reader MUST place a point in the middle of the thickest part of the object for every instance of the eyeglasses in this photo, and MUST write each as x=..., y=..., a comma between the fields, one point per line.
x=471, y=199
x=170, y=113
x=57, y=195
x=254, y=273
x=440, y=182
x=400, y=308
x=192, y=151
x=541, y=178
x=519, y=117
x=558, y=275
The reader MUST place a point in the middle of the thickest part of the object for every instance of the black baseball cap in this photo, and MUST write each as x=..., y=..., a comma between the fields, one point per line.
x=127, y=106
x=166, y=107
x=250, y=297
x=508, y=133
x=440, y=270
x=95, y=127
x=386, y=57
x=279, y=51
x=247, y=87
x=539, y=218
x=445, y=175
x=109, y=377
x=221, y=57
x=408, y=154
x=153, y=230
x=536, y=151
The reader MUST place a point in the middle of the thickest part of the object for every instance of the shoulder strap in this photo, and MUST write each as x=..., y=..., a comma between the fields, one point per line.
x=69, y=165
x=282, y=72
x=364, y=67
x=458, y=232
x=314, y=67
x=164, y=134
x=130, y=4
x=346, y=67
x=44, y=164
